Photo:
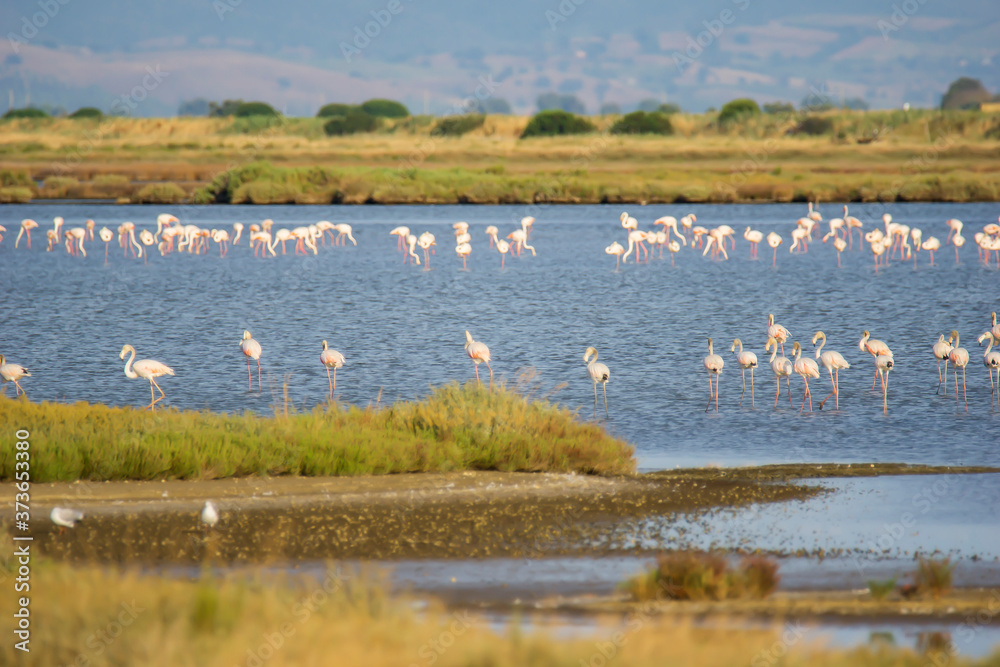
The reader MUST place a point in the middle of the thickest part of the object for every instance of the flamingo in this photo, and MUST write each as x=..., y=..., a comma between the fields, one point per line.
x=745, y=360
x=777, y=332
x=833, y=362
x=331, y=359
x=814, y=214
x=520, y=239
x=754, y=237
x=502, y=247
x=617, y=250
x=875, y=348
x=148, y=369
x=344, y=230
x=992, y=362
x=238, y=230
x=782, y=368
x=994, y=327
x=13, y=373
x=57, y=223
x=463, y=250
x=75, y=236
x=411, y=241
x=146, y=237
x=674, y=247
x=251, y=350
x=884, y=363
x=954, y=227
x=479, y=354
x=698, y=234
x=942, y=349
x=931, y=245
x=958, y=241
x=221, y=236
x=400, y=233
x=600, y=373
x=799, y=235
x=687, y=223
x=526, y=225
x=492, y=231
x=669, y=223
x=807, y=368
x=713, y=364
x=106, y=235
x=959, y=358
x=26, y=226
x=425, y=241
x=53, y=238
x=916, y=235
x=840, y=245
x=628, y=222
x=716, y=242
x=836, y=226
x=281, y=236
x=852, y=223
x=774, y=240
x=326, y=227
x=635, y=239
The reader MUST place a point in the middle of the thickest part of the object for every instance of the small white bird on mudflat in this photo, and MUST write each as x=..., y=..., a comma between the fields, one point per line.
x=65, y=517
x=209, y=514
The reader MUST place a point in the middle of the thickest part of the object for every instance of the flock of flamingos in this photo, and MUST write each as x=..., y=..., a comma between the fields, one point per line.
x=171, y=236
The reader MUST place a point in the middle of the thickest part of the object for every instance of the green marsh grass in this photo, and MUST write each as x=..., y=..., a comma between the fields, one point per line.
x=690, y=575
x=454, y=428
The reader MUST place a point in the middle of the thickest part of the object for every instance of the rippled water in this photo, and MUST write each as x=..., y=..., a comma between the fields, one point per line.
x=402, y=328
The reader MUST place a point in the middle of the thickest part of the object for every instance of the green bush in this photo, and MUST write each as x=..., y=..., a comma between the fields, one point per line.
x=554, y=122
x=13, y=177
x=355, y=121
x=87, y=112
x=814, y=126
x=641, y=122
x=335, y=109
x=160, y=193
x=247, y=109
x=456, y=126
x=385, y=109
x=737, y=110
x=15, y=195
x=29, y=112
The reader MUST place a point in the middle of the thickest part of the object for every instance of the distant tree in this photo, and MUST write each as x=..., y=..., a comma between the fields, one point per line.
x=640, y=122
x=456, y=126
x=738, y=109
x=247, y=109
x=385, y=109
x=610, y=108
x=778, y=107
x=195, y=107
x=669, y=108
x=965, y=93
x=226, y=108
x=815, y=102
x=560, y=101
x=335, y=109
x=27, y=112
x=87, y=112
x=814, y=126
x=356, y=120
x=648, y=104
x=493, y=105
x=553, y=122
x=855, y=104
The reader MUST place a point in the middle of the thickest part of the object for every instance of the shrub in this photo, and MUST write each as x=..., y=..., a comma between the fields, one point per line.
x=738, y=109
x=58, y=186
x=111, y=179
x=29, y=112
x=814, y=126
x=15, y=195
x=385, y=109
x=456, y=126
x=689, y=575
x=335, y=109
x=87, y=112
x=965, y=93
x=247, y=109
x=556, y=122
x=159, y=193
x=879, y=590
x=355, y=121
x=779, y=107
x=11, y=177
x=641, y=122
x=934, y=576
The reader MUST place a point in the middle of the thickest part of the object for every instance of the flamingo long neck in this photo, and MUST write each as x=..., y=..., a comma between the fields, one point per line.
x=128, y=365
x=957, y=341
x=774, y=354
x=989, y=345
x=819, y=348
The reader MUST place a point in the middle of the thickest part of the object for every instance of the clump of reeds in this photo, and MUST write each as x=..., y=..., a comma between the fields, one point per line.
x=934, y=577
x=692, y=575
x=880, y=589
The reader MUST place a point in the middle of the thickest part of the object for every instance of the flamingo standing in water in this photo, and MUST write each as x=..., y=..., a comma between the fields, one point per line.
x=782, y=368
x=807, y=368
x=992, y=362
x=425, y=241
x=674, y=247
x=942, y=348
x=777, y=332
x=527, y=223
x=745, y=360
x=331, y=359
x=411, y=242
x=852, y=223
x=884, y=363
x=26, y=226
x=148, y=369
x=713, y=364
x=669, y=223
x=959, y=358
x=479, y=353
x=107, y=236
x=635, y=240
x=520, y=239
x=503, y=248
x=600, y=373
x=400, y=233
x=251, y=350
x=492, y=231
x=238, y=231
x=840, y=245
x=14, y=372
x=774, y=240
x=876, y=348
x=954, y=227
x=617, y=250
x=754, y=237
x=931, y=245
x=463, y=250
x=147, y=240
x=344, y=231
x=833, y=362
x=958, y=241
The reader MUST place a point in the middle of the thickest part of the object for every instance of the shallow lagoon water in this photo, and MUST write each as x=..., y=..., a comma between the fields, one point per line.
x=401, y=328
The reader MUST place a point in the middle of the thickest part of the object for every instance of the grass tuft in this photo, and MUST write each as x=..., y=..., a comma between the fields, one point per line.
x=692, y=575
x=934, y=577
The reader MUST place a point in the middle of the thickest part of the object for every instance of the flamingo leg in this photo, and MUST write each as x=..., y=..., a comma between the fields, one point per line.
x=877, y=375
x=595, y=399
x=788, y=387
x=476, y=366
x=710, y=394
x=491, y=372
x=777, y=390
x=753, y=399
x=605, y=385
x=21, y=391
x=258, y=376
x=330, y=381
x=832, y=393
x=249, y=383
x=965, y=396
x=717, y=377
x=334, y=380
x=885, y=394
x=939, y=377
x=744, y=373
